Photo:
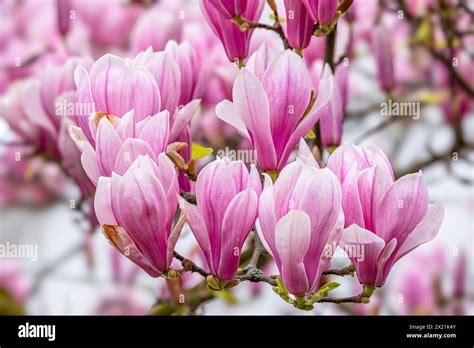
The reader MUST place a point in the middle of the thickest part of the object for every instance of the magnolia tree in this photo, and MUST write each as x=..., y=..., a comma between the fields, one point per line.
x=277, y=76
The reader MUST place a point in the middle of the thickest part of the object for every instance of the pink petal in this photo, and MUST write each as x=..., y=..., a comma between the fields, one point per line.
x=119, y=238
x=403, y=207
x=238, y=221
x=143, y=94
x=260, y=60
x=155, y=132
x=227, y=112
x=107, y=147
x=126, y=126
x=166, y=73
x=292, y=239
x=130, y=150
x=103, y=202
x=267, y=219
x=373, y=183
x=305, y=154
x=181, y=118
x=143, y=211
x=425, y=231
x=253, y=108
x=363, y=248
x=89, y=163
x=304, y=126
x=287, y=84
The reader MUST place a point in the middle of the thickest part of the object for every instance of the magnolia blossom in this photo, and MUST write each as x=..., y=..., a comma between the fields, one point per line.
x=235, y=42
x=136, y=211
x=333, y=112
x=322, y=11
x=299, y=25
x=119, y=141
x=299, y=217
x=148, y=83
x=37, y=110
x=387, y=218
x=270, y=101
x=227, y=200
x=383, y=54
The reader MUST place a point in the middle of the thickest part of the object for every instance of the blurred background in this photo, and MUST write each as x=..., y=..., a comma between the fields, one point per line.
x=54, y=259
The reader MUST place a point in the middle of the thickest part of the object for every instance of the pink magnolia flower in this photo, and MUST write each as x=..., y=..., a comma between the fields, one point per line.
x=118, y=142
x=298, y=217
x=322, y=11
x=333, y=113
x=270, y=100
x=383, y=54
x=37, y=109
x=231, y=8
x=227, y=200
x=388, y=218
x=190, y=68
x=136, y=212
x=299, y=25
x=148, y=83
x=235, y=42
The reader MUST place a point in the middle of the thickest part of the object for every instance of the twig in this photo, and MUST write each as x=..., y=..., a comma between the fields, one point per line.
x=190, y=266
x=348, y=270
x=352, y=299
x=255, y=275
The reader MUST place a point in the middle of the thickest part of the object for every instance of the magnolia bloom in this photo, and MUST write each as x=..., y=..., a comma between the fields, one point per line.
x=136, y=212
x=235, y=42
x=227, y=200
x=119, y=141
x=299, y=25
x=299, y=217
x=322, y=11
x=387, y=218
x=270, y=100
x=148, y=83
x=383, y=54
x=231, y=8
x=191, y=70
x=333, y=113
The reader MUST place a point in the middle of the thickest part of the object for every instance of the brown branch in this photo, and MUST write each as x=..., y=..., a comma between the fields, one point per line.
x=255, y=275
x=348, y=270
x=276, y=27
x=352, y=299
x=190, y=266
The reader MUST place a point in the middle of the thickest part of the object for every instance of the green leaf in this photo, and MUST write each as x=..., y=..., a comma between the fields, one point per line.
x=199, y=151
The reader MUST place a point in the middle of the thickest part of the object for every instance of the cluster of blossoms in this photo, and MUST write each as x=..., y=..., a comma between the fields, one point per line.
x=300, y=212
x=129, y=139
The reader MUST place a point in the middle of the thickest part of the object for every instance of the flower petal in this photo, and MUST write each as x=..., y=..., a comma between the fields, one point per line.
x=292, y=239
x=103, y=202
x=252, y=105
x=238, y=221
